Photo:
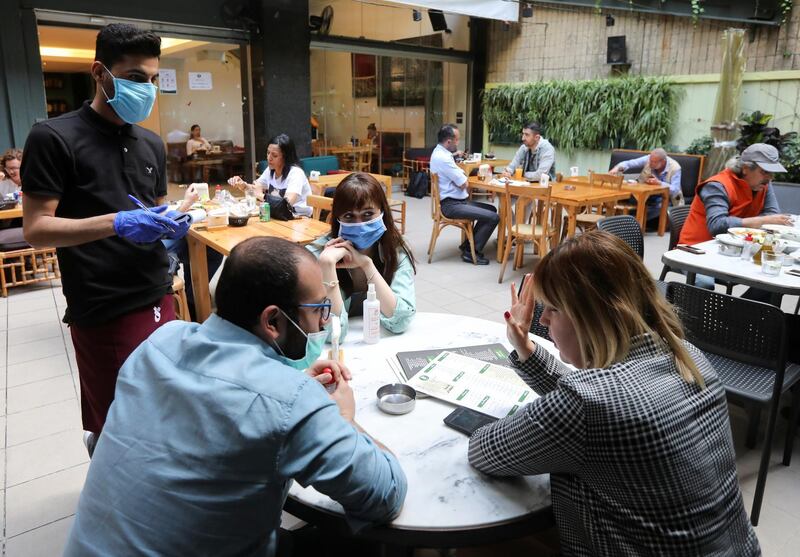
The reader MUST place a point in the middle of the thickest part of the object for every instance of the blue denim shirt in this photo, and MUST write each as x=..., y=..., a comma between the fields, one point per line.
x=201, y=444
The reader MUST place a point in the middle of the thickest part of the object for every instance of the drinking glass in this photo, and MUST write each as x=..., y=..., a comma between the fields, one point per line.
x=771, y=263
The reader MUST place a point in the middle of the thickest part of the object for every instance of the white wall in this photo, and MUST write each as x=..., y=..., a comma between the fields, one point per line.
x=218, y=111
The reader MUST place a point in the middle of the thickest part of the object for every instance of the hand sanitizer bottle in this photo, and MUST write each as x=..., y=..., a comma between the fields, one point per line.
x=372, y=316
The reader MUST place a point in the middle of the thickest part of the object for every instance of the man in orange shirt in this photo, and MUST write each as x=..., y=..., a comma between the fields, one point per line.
x=740, y=195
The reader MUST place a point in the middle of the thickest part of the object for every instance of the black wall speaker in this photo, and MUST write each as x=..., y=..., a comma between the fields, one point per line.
x=438, y=22
x=616, y=53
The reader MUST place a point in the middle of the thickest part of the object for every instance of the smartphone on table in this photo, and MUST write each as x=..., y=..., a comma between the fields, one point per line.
x=467, y=421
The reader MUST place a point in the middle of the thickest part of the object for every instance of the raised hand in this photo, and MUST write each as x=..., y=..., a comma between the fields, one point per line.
x=519, y=317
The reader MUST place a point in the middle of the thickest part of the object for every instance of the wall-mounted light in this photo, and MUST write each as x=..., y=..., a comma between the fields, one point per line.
x=417, y=15
x=609, y=20
x=527, y=10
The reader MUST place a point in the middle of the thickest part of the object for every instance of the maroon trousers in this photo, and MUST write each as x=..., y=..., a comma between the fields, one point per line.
x=101, y=350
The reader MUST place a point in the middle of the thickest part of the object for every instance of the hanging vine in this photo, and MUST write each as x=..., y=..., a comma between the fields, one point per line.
x=786, y=9
x=697, y=10
x=596, y=114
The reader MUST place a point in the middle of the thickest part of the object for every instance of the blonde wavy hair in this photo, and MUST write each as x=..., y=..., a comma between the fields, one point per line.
x=601, y=284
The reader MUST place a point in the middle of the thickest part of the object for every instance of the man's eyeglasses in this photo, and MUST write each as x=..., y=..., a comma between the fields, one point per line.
x=324, y=308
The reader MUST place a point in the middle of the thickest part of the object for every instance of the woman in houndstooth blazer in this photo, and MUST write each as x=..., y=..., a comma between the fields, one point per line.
x=637, y=440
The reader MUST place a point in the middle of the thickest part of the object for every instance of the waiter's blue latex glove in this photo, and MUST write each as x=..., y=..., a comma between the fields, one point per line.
x=143, y=227
x=181, y=224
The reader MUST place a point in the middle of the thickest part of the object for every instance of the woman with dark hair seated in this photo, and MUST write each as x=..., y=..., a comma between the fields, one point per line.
x=636, y=439
x=364, y=247
x=283, y=174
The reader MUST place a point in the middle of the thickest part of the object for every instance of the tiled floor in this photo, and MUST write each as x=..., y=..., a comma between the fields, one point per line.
x=44, y=462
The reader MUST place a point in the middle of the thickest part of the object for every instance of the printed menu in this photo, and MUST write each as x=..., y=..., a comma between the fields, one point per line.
x=475, y=384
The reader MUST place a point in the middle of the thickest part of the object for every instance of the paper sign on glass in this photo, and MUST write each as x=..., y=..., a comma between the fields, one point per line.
x=200, y=81
x=167, y=81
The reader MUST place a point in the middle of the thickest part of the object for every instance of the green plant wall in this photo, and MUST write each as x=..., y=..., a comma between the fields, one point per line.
x=597, y=114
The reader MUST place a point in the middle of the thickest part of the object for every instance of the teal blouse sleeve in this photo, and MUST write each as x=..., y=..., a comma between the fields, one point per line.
x=403, y=288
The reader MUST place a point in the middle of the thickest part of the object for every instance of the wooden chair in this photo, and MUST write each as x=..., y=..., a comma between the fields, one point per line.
x=179, y=297
x=592, y=214
x=440, y=221
x=27, y=266
x=538, y=230
x=320, y=203
x=362, y=158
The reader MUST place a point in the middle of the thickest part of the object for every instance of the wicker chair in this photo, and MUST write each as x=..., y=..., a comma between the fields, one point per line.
x=440, y=221
x=626, y=228
x=746, y=343
x=27, y=266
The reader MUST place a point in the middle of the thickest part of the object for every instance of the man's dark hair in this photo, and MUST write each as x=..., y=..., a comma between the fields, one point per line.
x=448, y=131
x=534, y=127
x=289, y=152
x=259, y=272
x=117, y=40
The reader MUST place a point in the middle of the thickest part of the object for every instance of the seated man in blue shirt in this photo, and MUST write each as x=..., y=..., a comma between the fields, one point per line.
x=212, y=422
x=655, y=169
x=453, y=195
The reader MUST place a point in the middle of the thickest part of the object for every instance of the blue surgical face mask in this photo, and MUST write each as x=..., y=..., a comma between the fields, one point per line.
x=363, y=234
x=132, y=101
x=314, y=343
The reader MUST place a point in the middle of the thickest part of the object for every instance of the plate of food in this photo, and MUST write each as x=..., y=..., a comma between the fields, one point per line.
x=741, y=232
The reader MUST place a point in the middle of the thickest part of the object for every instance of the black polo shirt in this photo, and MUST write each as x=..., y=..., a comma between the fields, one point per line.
x=90, y=165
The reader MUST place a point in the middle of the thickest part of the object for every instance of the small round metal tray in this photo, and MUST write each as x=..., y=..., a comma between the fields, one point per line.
x=397, y=398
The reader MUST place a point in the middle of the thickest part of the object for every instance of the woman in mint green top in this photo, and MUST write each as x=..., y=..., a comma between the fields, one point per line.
x=365, y=247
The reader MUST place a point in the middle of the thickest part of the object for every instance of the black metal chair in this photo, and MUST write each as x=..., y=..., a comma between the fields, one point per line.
x=627, y=228
x=746, y=343
x=677, y=216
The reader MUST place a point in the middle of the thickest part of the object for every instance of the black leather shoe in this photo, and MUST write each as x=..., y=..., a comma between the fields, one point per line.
x=480, y=260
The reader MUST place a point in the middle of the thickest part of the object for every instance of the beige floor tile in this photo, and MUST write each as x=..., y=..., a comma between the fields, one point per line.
x=43, y=500
x=42, y=421
x=46, y=541
x=45, y=456
x=467, y=307
x=37, y=370
x=37, y=304
x=35, y=350
x=35, y=317
x=33, y=395
x=21, y=335
x=775, y=527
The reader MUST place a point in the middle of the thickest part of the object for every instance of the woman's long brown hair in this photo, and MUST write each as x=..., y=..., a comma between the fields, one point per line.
x=358, y=190
x=601, y=284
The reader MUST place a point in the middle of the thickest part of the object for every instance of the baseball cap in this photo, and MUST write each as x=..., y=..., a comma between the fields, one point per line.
x=765, y=156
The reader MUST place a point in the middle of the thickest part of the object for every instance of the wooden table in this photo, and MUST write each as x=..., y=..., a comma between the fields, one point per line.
x=640, y=192
x=349, y=154
x=468, y=167
x=333, y=180
x=15, y=213
x=301, y=231
x=570, y=200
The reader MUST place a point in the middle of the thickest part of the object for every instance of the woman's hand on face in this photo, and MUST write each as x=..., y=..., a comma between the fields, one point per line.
x=519, y=317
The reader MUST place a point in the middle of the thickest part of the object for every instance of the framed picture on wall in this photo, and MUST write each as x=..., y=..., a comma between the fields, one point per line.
x=364, y=76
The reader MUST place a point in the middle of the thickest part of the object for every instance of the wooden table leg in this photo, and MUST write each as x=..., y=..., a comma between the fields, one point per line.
x=572, y=220
x=199, y=263
x=501, y=228
x=641, y=210
x=662, y=217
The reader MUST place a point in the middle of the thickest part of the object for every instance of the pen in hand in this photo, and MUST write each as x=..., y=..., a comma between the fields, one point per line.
x=143, y=206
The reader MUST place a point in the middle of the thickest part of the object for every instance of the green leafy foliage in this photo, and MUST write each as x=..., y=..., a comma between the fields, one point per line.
x=596, y=114
x=700, y=146
x=754, y=128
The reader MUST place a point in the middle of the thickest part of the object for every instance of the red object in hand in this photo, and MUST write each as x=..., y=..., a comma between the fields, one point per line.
x=507, y=315
x=748, y=238
x=330, y=386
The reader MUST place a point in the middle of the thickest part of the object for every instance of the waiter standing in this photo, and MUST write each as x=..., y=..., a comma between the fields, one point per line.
x=78, y=172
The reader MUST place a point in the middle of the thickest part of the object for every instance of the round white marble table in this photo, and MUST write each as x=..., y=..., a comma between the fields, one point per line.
x=449, y=504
